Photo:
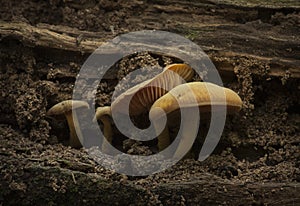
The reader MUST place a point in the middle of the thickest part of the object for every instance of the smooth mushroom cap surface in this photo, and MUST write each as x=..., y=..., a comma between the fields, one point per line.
x=142, y=96
x=66, y=106
x=197, y=94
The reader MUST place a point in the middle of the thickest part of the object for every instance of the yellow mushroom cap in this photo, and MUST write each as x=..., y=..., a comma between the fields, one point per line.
x=66, y=106
x=197, y=94
x=102, y=111
x=143, y=95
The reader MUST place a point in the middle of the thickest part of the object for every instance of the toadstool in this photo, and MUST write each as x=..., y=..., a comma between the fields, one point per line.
x=202, y=95
x=143, y=95
x=66, y=108
x=139, y=98
x=104, y=114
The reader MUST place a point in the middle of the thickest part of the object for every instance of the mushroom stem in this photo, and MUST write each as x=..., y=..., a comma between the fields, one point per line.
x=163, y=139
x=107, y=131
x=158, y=119
x=75, y=137
x=189, y=130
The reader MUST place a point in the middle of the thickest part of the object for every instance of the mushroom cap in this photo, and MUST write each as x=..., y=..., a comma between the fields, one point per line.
x=66, y=106
x=197, y=94
x=142, y=96
x=102, y=111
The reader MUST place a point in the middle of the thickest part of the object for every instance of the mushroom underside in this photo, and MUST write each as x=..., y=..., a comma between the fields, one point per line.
x=68, y=108
x=140, y=98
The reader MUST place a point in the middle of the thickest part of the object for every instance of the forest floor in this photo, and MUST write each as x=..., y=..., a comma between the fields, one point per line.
x=256, y=48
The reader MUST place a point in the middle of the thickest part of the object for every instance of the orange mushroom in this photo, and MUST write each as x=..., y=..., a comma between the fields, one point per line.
x=199, y=95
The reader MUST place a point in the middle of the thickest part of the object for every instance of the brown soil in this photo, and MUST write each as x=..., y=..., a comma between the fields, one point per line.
x=257, y=160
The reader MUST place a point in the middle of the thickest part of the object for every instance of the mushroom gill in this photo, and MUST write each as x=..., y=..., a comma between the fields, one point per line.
x=141, y=97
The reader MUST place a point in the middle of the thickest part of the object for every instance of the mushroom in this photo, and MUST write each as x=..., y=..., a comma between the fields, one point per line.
x=103, y=114
x=143, y=95
x=139, y=98
x=200, y=95
x=66, y=108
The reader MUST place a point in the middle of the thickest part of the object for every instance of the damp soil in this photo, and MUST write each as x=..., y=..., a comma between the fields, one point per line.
x=260, y=145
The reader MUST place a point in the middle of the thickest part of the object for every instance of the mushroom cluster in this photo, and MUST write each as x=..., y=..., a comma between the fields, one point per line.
x=140, y=98
x=157, y=96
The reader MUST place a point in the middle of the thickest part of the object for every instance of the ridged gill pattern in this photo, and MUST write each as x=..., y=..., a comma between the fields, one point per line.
x=141, y=97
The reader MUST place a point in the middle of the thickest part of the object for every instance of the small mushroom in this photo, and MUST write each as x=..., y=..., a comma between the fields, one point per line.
x=195, y=94
x=104, y=114
x=140, y=97
x=66, y=108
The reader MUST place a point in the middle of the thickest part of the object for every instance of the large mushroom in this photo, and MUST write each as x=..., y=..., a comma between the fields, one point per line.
x=200, y=95
x=139, y=98
x=66, y=108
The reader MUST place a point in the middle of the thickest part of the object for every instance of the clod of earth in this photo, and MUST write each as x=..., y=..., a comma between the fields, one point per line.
x=67, y=108
x=140, y=97
x=200, y=95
